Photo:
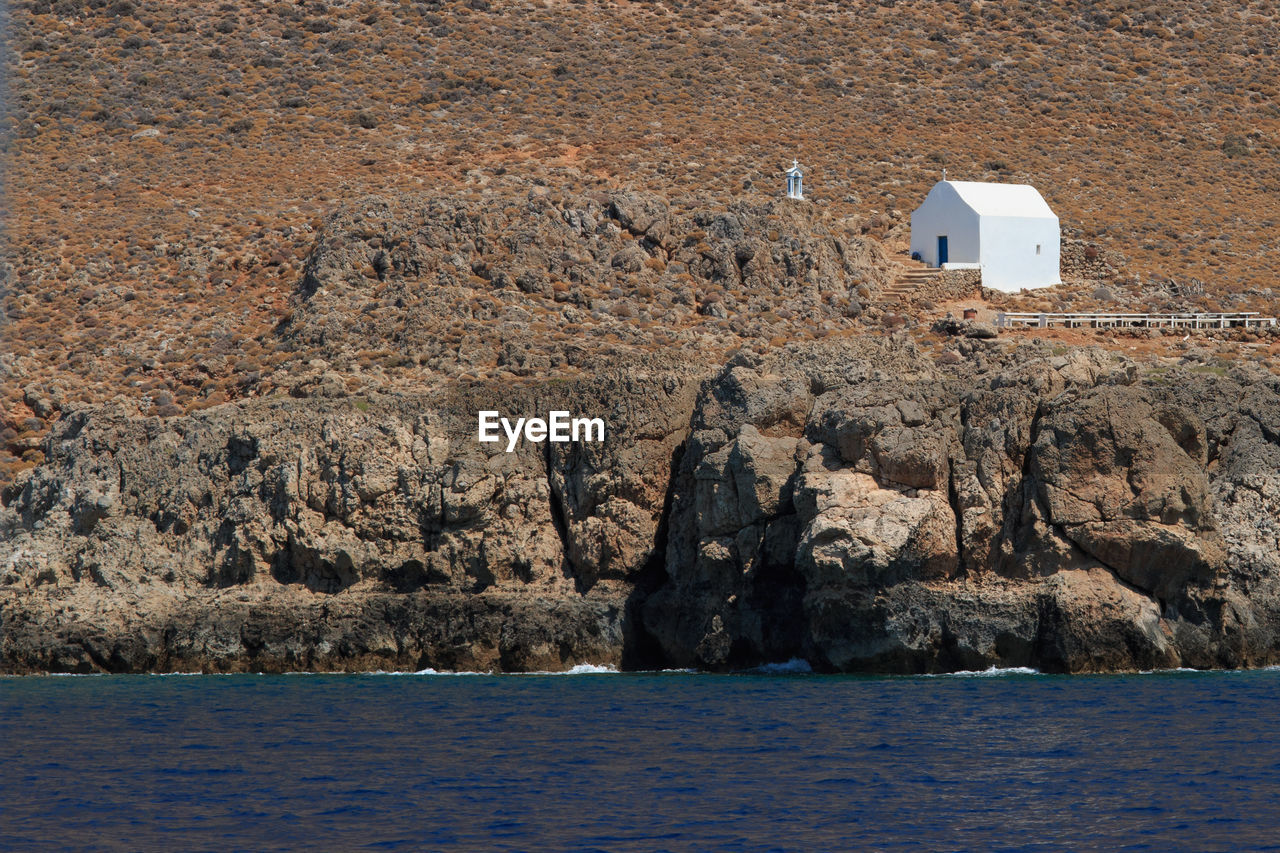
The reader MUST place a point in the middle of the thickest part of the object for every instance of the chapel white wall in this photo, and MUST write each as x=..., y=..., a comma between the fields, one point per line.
x=1008, y=252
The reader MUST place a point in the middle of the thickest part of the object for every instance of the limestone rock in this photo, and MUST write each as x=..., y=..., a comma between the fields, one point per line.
x=981, y=331
x=1056, y=512
x=850, y=502
x=297, y=502
x=1114, y=474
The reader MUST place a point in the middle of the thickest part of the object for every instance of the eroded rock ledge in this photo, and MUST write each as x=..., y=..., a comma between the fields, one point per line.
x=849, y=502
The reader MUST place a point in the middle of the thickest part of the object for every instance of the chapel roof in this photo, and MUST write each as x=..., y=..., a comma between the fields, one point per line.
x=990, y=199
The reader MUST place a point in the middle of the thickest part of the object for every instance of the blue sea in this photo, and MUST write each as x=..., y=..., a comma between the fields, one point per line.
x=646, y=762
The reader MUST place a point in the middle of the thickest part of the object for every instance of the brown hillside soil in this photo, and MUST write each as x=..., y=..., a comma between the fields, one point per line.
x=168, y=164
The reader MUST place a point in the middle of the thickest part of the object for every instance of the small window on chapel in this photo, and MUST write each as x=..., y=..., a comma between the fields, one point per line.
x=1037, y=248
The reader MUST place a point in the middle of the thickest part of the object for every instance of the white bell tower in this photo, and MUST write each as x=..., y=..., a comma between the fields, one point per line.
x=795, y=181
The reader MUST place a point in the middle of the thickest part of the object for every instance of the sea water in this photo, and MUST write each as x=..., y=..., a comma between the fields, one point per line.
x=777, y=760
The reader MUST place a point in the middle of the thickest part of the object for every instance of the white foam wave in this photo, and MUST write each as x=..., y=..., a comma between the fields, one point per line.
x=427, y=671
x=794, y=666
x=991, y=672
x=579, y=669
x=591, y=669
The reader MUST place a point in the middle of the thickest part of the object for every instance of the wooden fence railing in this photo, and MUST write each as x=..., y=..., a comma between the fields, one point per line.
x=1106, y=320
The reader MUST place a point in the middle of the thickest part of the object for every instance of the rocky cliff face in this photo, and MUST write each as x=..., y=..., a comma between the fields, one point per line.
x=340, y=533
x=872, y=512
x=860, y=504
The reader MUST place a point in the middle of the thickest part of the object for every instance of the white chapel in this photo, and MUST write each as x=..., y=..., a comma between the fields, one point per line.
x=1005, y=230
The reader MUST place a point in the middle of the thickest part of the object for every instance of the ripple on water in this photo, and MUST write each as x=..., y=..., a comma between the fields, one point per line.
x=775, y=759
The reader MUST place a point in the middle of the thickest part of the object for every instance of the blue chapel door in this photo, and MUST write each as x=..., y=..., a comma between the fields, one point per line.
x=942, y=250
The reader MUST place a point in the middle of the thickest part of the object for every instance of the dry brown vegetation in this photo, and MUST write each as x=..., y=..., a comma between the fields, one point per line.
x=527, y=282
x=167, y=164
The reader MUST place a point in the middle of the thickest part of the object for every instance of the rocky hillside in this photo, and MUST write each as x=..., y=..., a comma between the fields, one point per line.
x=415, y=290
x=865, y=505
x=168, y=165
x=530, y=282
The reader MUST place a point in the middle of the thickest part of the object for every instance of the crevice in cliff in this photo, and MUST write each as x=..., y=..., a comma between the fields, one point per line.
x=1033, y=435
x=94, y=655
x=641, y=650
x=1022, y=491
x=1090, y=557
x=560, y=522
x=953, y=497
x=1271, y=435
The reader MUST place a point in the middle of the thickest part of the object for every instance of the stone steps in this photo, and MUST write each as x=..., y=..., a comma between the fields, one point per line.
x=911, y=279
